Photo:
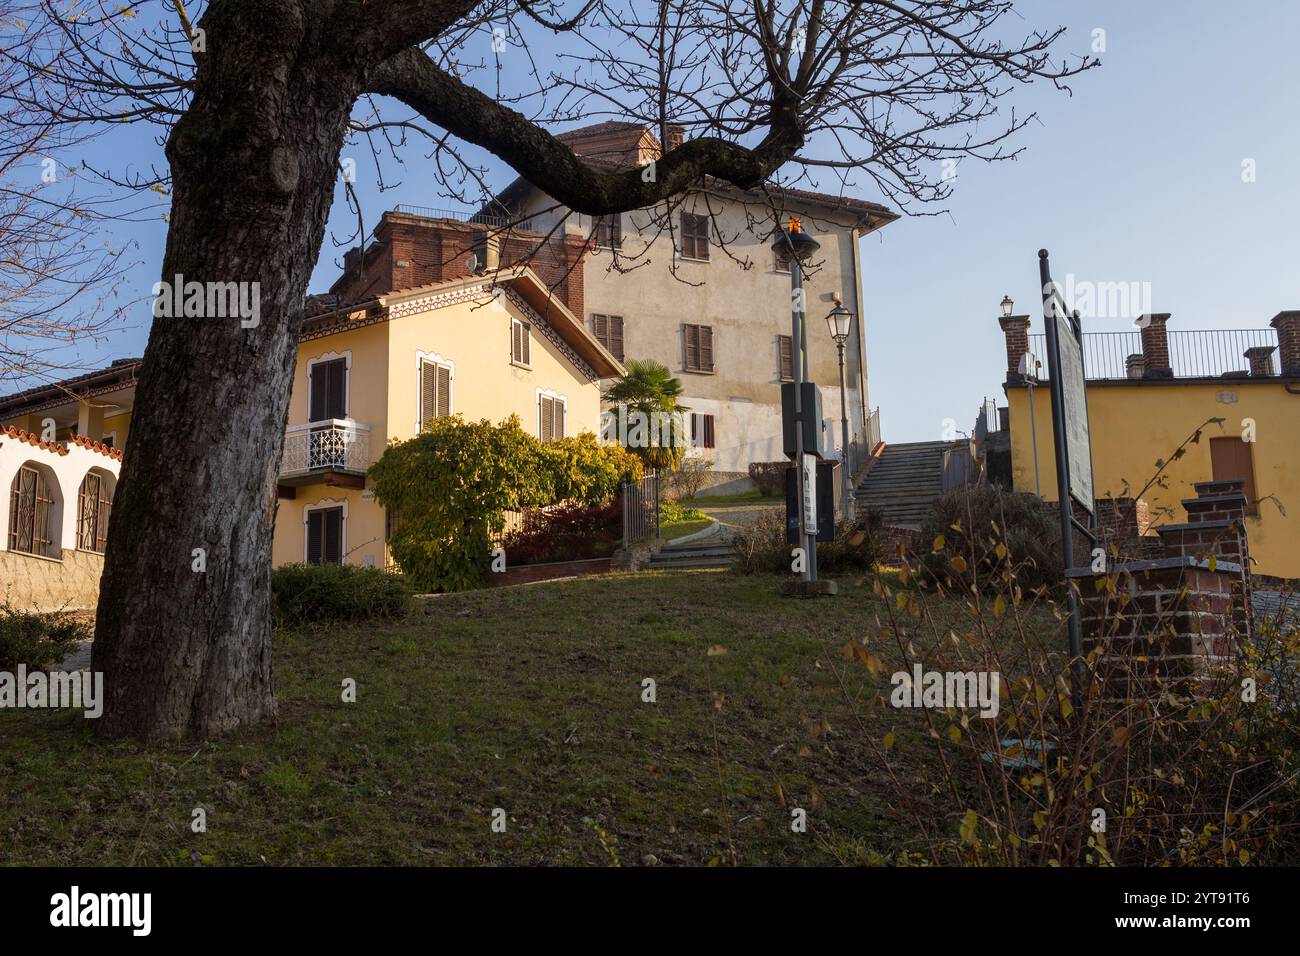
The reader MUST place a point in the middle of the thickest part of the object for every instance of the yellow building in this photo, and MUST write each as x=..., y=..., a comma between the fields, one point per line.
x=488, y=344
x=483, y=346
x=1148, y=391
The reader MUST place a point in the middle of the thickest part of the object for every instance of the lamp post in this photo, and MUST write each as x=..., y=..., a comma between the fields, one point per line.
x=839, y=320
x=796, y=245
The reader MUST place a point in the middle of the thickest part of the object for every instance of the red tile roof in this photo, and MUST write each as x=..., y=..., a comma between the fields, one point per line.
x=58, y=447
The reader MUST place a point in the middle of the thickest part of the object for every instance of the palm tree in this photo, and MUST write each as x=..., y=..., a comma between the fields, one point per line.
x=650, y=388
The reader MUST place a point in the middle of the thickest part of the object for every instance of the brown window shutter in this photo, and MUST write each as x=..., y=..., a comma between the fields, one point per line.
x=526, y=340
x=557, y=409
x=600, y=328
x=543, y=418
x=706, y=347
x=444, y=390
x=785, y=351
x=315, y=536
x=1230, y=458
x=332, y=552
x=616, y=336
x=691, y=334
x=428, y=393
x=708, y=431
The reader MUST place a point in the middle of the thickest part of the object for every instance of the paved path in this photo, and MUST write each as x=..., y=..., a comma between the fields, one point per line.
x=79, y=659
x=740, y=514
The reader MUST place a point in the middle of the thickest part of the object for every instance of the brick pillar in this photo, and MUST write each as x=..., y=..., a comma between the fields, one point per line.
x=1155, y=345
x=1016, y=330
x=1261, y=360
x=1288, y=340
x=1122, y=523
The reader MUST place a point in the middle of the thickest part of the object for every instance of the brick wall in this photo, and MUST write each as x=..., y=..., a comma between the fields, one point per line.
x=1171, y=622
x=412, y=251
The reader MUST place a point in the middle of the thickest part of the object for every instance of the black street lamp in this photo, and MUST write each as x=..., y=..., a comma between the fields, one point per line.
x=798, y=247
x=840, y=320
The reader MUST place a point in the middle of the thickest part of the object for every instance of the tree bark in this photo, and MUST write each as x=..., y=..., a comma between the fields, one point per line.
x=187, y=653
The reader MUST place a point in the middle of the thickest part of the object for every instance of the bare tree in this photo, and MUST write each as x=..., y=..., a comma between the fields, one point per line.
x=58, y=272
x=255, y=99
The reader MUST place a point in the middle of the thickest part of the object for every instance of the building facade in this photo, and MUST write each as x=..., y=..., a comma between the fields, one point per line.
x=1148, y=391
x=698, y=288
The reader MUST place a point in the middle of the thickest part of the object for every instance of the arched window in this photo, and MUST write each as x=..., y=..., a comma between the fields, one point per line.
x=33, y=512
x=94, y=502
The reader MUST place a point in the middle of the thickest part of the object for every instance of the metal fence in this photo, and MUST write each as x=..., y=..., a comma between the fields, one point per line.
x=1194, y=353
x=640, y=510
x=486, y=219
x=332, y=443
x=873, y=430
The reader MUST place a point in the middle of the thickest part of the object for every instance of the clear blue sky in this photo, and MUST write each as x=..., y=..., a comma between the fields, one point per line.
x=1136, y=177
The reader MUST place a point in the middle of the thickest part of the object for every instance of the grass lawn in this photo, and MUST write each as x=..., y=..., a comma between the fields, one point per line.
x=525, y=698
x=680, y=529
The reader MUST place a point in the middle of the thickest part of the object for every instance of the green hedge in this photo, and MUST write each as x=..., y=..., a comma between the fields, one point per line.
x=307, y=593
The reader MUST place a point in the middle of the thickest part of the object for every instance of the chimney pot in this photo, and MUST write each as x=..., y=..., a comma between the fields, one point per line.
x=1155, y=345
x=1016, y=330
x=1261, y=360
x=1133, y=365
x=1288, y=340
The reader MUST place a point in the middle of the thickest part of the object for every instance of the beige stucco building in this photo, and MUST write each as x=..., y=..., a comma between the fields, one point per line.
x=698, y=288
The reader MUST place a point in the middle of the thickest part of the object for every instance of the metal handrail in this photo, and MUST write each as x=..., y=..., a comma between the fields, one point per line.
x=1193, y=353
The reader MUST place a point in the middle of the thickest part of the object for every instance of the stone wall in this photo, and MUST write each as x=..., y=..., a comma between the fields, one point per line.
x=30, y=583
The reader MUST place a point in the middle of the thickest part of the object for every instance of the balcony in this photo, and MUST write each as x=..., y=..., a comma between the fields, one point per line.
x=333, y=451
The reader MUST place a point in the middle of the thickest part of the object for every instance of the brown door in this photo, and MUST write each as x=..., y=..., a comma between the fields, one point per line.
x=1230, y=458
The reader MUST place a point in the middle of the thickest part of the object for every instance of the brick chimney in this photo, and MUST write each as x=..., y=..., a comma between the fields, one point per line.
x=1155, y=346
x=676, y=135
x=1016, y=330
x=1288, y=340
x=1134, y=365
x=1261, y=360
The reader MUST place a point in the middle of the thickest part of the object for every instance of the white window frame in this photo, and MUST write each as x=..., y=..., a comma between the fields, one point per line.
x=436, y=359
x=347, y=379
x=323, y=504
x=537, y=402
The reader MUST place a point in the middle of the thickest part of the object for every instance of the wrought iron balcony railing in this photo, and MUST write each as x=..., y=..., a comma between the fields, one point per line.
x=332, y=444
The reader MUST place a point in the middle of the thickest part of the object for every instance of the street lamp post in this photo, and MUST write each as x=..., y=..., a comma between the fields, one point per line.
x=798, y=247
x=839, y=320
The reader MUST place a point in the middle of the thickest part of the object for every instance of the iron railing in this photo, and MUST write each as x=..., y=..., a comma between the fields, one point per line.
x=873, y=431
x=334, y=444
x=640, y=510
x=1193, y=353
x=486, y=219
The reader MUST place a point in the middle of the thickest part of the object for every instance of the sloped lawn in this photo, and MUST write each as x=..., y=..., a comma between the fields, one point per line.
x=527, y=699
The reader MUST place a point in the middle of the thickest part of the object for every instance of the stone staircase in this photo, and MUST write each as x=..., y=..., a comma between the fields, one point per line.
x=903, y=483
x=713, y=551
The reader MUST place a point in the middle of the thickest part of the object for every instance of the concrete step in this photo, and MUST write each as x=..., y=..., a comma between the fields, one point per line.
x=658, y=565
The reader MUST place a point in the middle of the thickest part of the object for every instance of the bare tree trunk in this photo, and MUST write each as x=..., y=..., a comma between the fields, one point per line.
x=185, y=652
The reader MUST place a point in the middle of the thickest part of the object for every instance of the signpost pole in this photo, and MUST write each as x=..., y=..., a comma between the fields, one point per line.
x=799, y=342
x=1055, y=383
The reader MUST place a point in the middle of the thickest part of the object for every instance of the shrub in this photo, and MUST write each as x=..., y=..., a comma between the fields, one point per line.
x=971, y=523
x=451, y=485
x=584, y=470
x=761, y=548
x=689, y=476
x=770, y=477
x=306, y=593
x=39, y=641
x=572, y=532
x=670, y=512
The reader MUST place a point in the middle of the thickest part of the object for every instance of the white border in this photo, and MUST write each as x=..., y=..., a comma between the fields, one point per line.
x=436, y=359
x=343, y=531
x=551, y=393
x=347, y=379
